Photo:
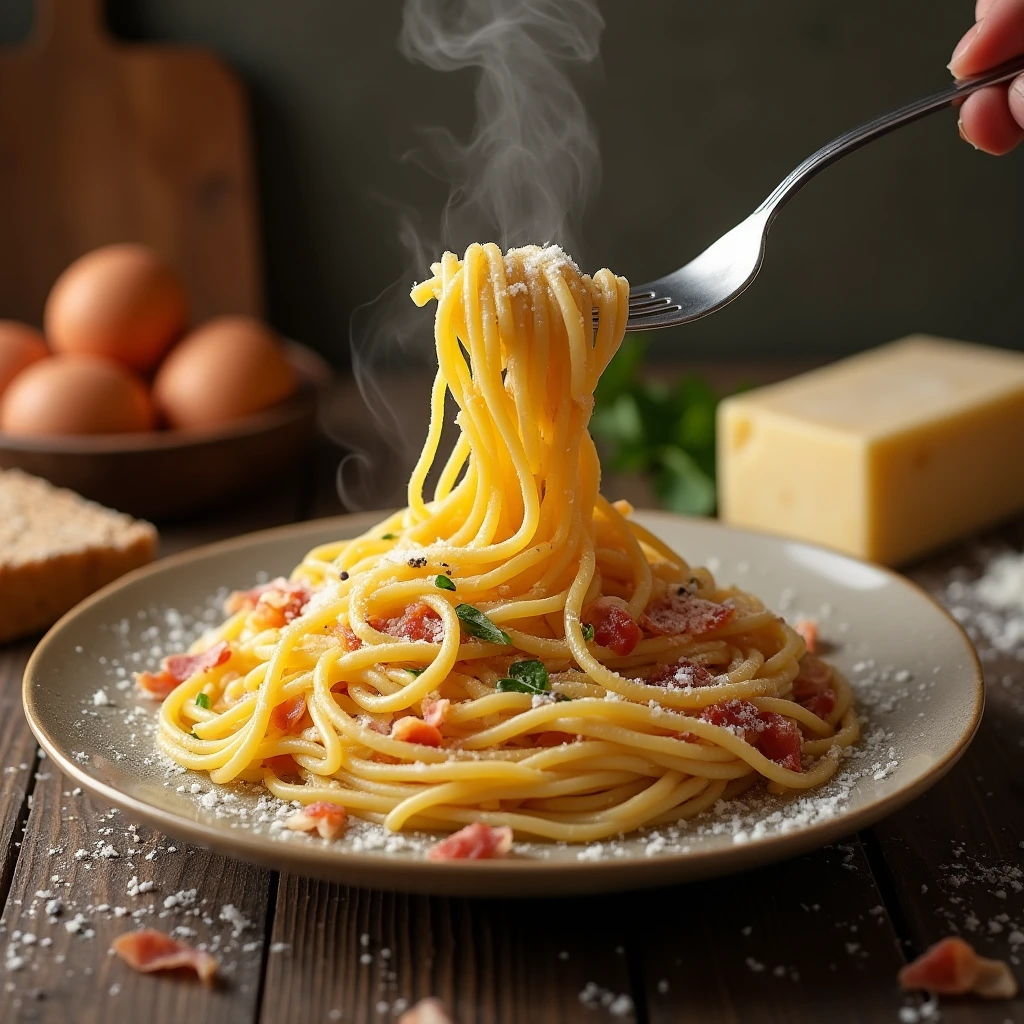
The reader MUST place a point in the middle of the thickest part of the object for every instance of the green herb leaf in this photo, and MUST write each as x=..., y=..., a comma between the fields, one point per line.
x=388, y=536
x=193, y=734
x=475, y=623
x=588, y=632
x=518, y=686
x=681, y=484
x=443, y=582
x=417, y=671
x=532, y=672
x=203, y=701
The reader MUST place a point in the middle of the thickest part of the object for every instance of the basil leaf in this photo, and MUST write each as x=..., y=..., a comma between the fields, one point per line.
x=388, y=536
x=417, y=671
x=193, y=735
x=203, y=701
x=532, y=672
x=588, y=632
x=475, y=623
x=442, y=582
x=518, y=686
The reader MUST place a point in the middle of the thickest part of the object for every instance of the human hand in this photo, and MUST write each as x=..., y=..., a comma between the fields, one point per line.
x=992, y=119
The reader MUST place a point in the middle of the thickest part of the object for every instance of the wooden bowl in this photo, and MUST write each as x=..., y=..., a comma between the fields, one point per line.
x=166, y=474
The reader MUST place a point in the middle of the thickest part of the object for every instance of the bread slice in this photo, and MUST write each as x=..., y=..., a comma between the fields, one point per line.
x=57, y=548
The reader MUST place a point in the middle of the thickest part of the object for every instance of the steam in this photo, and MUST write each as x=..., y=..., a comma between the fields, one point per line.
x=533, y=160
x=525, y=175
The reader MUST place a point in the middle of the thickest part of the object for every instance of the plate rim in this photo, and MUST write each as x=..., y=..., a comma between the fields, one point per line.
x=488, y=877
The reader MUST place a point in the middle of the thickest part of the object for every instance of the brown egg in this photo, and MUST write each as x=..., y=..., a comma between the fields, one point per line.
x=20, y=347
x=227, y=368
x=75, y=395
x=122, y=301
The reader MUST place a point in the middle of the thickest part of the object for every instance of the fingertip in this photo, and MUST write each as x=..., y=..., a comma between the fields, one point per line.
x=987, y=123
x=1015, y=100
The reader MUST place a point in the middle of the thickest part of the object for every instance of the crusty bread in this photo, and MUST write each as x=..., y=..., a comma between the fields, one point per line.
x=57, y=548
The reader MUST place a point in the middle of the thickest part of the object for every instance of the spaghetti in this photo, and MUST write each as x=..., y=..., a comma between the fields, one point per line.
x=514, y=650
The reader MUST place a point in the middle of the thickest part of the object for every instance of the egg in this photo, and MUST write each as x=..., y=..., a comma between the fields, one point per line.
x=20, y=347
x=122, y=301
x=229, y=367
x=75, y=394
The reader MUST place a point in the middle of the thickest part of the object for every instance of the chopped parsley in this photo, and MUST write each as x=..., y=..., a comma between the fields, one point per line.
x=417, y=671
x=475, y=623
x=388, y=536
x=588, y=632
x=443, y=582
x=203, y=701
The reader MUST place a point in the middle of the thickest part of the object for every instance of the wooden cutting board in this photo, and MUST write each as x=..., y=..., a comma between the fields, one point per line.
x=105, y=142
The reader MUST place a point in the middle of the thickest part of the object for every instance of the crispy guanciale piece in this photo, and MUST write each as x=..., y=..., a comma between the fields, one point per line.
x=684, y=673
x=418, y=622
x=808, y=630
x=434, y=710
x=775, y=736
x=681, y=613
x=813, y=686
x=179, y=667
x=415, y=730
x=323, y=817
x=275, y=603
x=288, y=714
x=474, y=842
x=149, y=950
x=952, y=968
x=614, y=628
x=426, y=1011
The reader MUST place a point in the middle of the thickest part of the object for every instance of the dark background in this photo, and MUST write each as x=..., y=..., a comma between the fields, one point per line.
x=701, y=108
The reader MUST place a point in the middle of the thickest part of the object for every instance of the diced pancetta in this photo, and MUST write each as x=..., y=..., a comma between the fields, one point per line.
x=681, y=675
x=775, y=736
x=411, y=729
x=680, y=613
x=149, y=950
x=474, y=842
x=808, y=630
x=274, y=604
x=434, y=710
x=176, y=668
x=323, y=817
x=952, y=968
x=614, y=628
x=418, y=622
x=288, y=714
x=813, y=686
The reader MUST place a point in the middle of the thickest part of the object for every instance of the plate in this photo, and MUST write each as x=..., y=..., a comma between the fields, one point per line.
x=130, y=472
x=915, y=675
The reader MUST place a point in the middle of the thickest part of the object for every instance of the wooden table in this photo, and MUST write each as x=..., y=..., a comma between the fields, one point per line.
x=815, y=939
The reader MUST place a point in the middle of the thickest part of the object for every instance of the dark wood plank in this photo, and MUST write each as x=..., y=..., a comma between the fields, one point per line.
x=806, y=940
x=359, y=956
x=65, y=976
x=65, y=973
x=17, y=759
x=956, y=856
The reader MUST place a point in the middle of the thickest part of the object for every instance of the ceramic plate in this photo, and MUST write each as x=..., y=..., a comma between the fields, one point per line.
x=915, y=675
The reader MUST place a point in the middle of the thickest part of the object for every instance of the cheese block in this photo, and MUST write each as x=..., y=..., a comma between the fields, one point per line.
x=885, y=455
x=57, y=548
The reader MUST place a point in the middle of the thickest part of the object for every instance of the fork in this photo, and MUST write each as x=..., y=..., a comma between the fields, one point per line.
x=727, y=267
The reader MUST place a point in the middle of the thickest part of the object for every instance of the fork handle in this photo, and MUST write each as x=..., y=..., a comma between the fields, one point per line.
x=851, y=140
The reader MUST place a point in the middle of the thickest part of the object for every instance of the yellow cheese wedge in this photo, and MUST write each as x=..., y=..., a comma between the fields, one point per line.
x=885, y=455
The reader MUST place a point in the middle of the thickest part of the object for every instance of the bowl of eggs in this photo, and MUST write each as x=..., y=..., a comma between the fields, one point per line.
x=121, y=399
